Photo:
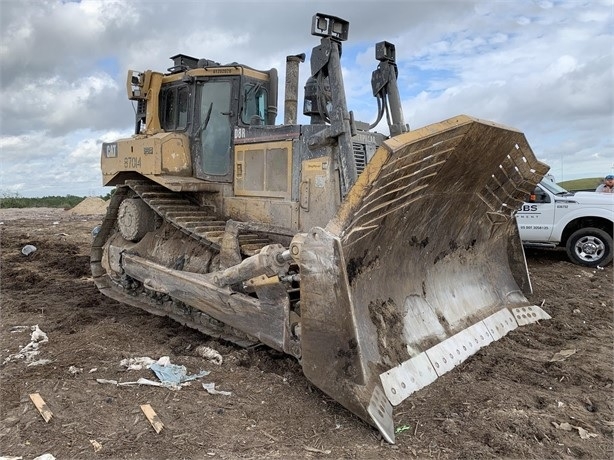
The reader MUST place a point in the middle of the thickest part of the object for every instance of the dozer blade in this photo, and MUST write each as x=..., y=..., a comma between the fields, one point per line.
x=421, y=266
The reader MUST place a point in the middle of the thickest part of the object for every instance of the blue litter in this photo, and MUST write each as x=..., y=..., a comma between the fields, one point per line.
x=174, y=374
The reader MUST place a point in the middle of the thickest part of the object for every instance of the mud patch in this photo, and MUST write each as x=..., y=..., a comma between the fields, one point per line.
x=353, y=267
x=358, y=266
x=349, y=356
x=388, y=321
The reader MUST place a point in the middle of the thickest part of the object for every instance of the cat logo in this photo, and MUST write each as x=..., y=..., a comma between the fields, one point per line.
x=109, y=150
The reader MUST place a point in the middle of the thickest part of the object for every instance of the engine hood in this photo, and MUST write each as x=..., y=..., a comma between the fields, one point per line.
x=589, y=198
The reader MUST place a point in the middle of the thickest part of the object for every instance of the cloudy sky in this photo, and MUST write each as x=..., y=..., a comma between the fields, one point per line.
x=542, y=66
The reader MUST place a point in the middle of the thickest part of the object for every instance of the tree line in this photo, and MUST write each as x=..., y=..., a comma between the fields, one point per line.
x=14, y=200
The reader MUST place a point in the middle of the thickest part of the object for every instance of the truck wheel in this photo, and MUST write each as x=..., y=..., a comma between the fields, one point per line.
x=590, y=247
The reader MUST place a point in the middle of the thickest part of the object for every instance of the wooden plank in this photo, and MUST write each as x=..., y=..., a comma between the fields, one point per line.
x=152, y=417
x=41, y=406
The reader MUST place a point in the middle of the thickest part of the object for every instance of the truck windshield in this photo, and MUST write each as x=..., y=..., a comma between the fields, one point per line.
x=553, y=188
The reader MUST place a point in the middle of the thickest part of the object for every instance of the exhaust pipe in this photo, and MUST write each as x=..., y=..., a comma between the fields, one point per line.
x=291, y=94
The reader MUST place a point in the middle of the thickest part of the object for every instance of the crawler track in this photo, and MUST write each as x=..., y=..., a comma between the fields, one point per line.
x=196, y=222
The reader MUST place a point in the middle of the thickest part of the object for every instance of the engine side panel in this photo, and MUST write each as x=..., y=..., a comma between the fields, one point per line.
x=162, y=153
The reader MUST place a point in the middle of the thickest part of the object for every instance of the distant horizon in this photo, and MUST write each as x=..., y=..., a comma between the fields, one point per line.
x=4, y=195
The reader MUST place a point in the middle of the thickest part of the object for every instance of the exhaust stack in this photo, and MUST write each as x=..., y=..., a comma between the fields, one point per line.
x=291, y=94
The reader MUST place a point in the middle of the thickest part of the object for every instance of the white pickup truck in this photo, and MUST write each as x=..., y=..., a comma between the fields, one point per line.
x=581, y=222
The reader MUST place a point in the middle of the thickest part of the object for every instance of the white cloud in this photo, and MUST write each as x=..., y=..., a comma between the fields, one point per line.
x=544, y=67
x=55, y=104
x=37, y=164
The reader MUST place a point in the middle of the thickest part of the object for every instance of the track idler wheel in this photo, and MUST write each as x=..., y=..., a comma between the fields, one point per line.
x=135, y=219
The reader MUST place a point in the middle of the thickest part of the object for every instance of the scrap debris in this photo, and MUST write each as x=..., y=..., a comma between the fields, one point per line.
x=28, y=249
x=317, y=451
x=170, y=375
x=141, y=381
x=42, y=407
x=173, y=374
x=45, y=457
x=136, y=364
x=31, y=350
x=97, y=446
x=563, y=355
x=210, y=354
x=210, y=387
x=153, y=418
x=584, y=434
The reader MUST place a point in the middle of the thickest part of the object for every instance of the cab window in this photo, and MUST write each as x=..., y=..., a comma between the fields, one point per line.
x=254, y=104
x=214, y=130
x=539, y=196
x=174, y=108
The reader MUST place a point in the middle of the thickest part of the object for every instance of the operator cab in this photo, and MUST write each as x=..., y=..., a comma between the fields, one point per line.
x=206, y=101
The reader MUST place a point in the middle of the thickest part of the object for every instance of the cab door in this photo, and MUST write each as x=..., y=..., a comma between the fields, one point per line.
x=535, y=218
x=213, y=135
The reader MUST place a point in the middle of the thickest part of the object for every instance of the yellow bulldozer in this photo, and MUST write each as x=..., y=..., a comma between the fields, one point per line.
x=379, y=262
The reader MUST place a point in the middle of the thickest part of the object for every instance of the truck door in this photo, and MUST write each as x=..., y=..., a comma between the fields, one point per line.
x=536, y=216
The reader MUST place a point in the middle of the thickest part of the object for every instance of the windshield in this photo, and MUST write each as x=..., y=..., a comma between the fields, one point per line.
x=553, y=188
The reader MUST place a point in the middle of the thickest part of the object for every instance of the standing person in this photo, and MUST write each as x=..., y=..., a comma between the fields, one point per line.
x=607, y=186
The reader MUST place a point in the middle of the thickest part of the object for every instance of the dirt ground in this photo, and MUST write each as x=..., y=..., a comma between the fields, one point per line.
x=516, y=398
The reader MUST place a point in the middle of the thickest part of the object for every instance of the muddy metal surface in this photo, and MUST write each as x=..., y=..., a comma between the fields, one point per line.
x=543, y=391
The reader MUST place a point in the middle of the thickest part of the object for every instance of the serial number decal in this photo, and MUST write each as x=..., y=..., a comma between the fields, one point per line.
x=316, y=165
x=221, y=71
x=364, y=138
x=110, y=150
x=132, y=162
x=239, y=133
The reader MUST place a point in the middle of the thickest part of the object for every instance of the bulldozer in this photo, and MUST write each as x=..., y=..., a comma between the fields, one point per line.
x=379, y=261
